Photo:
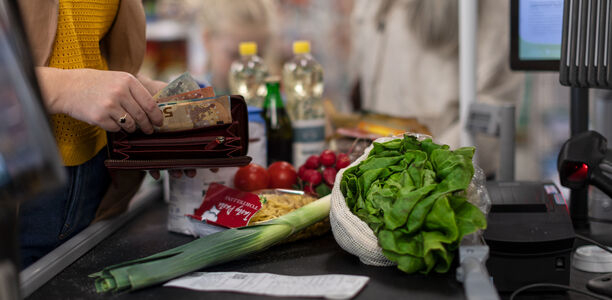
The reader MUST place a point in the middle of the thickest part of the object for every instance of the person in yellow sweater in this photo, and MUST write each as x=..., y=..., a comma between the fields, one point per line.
x=87, y=54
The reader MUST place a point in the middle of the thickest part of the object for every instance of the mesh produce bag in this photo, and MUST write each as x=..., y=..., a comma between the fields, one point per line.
x=356, y=237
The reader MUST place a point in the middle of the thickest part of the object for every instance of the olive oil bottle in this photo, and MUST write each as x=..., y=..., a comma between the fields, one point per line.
x=303, y=85
x=247, y=76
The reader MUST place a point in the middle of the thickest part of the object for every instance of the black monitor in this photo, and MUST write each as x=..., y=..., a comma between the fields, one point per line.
x=535, y=34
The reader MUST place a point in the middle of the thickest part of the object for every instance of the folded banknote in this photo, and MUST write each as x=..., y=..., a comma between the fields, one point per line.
x=182, y=84
x=195, y=113
x=202, y=93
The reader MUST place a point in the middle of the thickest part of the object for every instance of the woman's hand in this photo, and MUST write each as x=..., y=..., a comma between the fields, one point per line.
x=109, y=99
x=153, y=86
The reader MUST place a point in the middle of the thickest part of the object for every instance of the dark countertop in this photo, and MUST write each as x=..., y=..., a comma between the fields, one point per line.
x=147, y=234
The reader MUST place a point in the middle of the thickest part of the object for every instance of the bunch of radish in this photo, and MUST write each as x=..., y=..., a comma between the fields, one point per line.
x=317, y=174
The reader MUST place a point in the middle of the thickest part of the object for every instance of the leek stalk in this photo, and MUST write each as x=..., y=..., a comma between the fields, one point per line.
x=208, y=251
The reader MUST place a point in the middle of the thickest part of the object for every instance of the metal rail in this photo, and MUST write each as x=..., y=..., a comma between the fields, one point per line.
x=43, y=270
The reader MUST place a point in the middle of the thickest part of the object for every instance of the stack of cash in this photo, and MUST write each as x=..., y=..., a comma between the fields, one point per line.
x=196, y=113
x=187, y=106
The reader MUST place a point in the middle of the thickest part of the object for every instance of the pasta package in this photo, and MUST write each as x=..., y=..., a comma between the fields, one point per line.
x=278, y=202
x=196, y=113
x=225, y=207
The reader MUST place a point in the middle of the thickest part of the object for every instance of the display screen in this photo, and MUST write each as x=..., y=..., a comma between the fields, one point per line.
x=536, y=28
x=540, y=26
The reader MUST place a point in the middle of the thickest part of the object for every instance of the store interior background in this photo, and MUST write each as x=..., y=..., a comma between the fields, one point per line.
x=175, y=44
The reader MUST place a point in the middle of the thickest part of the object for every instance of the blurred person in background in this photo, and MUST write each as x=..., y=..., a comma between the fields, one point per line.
x=225, y=25
x=405, y=57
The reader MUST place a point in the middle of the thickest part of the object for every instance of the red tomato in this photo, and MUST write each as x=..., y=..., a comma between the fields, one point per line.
x=251, y=178
x=282, y=175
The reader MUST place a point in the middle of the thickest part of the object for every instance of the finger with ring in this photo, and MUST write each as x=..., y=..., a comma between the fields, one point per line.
x=123, y=119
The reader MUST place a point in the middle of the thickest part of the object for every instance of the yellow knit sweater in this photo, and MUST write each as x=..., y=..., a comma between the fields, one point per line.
x=81, y=26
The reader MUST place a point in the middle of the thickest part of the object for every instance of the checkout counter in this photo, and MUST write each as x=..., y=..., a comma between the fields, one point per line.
x=63, y=274
x=145, y=234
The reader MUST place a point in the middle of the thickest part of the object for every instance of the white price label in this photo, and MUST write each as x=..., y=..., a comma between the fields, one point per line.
x=327, y=286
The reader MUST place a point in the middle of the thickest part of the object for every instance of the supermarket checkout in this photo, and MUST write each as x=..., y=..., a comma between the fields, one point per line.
x=306, y=165
x=407, y=200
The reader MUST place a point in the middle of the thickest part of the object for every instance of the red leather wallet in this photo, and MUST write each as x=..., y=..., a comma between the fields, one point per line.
x=209, y=147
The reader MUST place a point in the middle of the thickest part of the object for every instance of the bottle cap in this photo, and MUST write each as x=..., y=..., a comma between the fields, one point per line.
x=248, y=48
x=301, y=47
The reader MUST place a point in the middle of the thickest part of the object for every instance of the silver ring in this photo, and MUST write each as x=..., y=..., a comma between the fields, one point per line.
x=123, y=119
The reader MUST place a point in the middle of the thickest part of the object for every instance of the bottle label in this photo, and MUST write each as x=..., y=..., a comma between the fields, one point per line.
x=308, y=139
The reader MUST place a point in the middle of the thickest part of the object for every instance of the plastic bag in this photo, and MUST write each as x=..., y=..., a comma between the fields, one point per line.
x=356, y=237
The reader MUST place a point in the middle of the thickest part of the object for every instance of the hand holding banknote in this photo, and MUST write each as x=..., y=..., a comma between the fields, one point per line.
x=109, y=99
x=187, y=106
x=176, y=90
x=152, y=85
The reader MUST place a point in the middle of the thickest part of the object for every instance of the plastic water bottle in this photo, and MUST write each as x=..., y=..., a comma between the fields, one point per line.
x=247, y=76
x=303, y=86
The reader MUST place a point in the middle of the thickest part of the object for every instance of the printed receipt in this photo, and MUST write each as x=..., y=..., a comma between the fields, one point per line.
x=328, y=286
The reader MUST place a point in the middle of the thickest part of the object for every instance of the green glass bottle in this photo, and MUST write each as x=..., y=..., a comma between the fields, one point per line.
x=278, y=125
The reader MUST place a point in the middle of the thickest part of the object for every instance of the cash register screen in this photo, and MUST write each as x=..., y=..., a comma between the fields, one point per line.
x=535, y=34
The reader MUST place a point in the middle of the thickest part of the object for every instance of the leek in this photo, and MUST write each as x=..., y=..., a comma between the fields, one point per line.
x=208, y=251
